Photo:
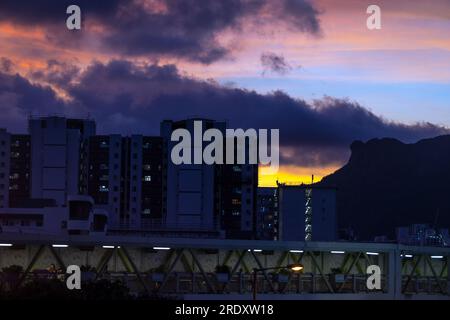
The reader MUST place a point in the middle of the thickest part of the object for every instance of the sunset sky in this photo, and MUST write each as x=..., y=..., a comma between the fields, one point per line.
x=309, y=68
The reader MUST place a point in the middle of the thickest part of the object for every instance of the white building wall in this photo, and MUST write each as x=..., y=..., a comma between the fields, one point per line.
x=324, y=215
x=190, y=188
x=72, y=162
x=55, y=154
x=292, y=201
x=17, y=220
x=291, y=213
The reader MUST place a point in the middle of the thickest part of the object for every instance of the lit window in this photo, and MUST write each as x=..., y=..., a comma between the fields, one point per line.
x=146, y=211
x=148, y=178
x=103, y=189
x=14, y=176
x=147, y=167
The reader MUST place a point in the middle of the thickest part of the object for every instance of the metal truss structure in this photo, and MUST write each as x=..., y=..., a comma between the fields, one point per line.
x=186, y=267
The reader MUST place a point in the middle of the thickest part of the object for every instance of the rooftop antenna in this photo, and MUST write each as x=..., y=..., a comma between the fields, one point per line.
x=312, y=179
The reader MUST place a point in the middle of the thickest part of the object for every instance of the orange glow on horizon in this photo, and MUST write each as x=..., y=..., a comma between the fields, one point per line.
x=293, y=175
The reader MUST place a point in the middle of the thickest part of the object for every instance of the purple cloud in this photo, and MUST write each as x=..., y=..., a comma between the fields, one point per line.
x=124, y=98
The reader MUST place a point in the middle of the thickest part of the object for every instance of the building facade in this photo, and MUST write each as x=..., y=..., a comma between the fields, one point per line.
x=4, y=167
x=131, y=178
x=190, y=191
x=55, y=156
x=237, y=189
x=20, y=170
x=267, y=214
x=220, y=197
x=124, y=176
x=306, y=213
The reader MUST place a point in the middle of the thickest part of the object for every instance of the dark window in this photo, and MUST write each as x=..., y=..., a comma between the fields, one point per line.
x=79, y=210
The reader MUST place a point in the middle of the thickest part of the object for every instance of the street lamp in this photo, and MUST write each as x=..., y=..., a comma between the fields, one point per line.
x=295, y=267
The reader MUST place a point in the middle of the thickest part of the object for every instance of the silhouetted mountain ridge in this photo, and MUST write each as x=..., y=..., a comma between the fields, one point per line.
x=387, y=183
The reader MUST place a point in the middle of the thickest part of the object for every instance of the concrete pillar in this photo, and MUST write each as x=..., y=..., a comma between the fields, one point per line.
x=394, y=274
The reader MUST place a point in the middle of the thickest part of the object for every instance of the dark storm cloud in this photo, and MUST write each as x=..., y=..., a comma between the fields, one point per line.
x=125, y=98
x=43, y=12
x=29, y=97
x=20, y=98
x=57, y=73
x=275, y=63
x=188, y=29
x=301, y=15
x=312, y=133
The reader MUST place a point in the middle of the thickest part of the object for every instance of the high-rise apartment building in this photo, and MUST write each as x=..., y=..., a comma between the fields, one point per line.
x=189, y=190
x=14, y=169
x=267, y=213
x=131, y=179
x=306, y=213
x=19, y=170
x=219, y=197
x=55, y=156
x=237, y=206
x=124, y=176
x=4, y=167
